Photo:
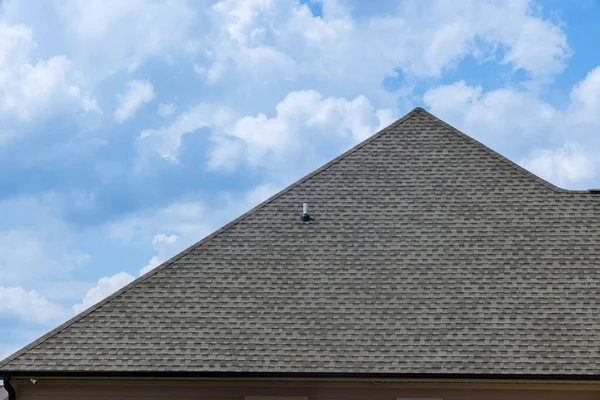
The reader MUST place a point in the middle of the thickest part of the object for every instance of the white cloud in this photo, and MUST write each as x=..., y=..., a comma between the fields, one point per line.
x=30, y=87
x=241, y=17
x=162, y=239
x=492, y=116
x=153, y=263
x=186, y=219
x=585, y=99
x=28, y=306
x=452, y=98
x=304, y=122
x=538, y=47
x=422, y=39
x=261, y=42
x=165, y=141
x=103, y=38
x=262, y=62
x=514, y=121
x=306, y=126
x=139, y=92
x=563, y=165
x=16, y=44
x=163, y=245
x=105, y=287
x=166, y=109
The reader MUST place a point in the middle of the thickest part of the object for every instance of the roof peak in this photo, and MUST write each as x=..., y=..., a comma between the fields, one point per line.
x=377, y=136
x=207, y=238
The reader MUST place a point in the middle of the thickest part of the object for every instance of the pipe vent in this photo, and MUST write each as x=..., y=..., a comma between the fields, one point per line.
x=305, y=218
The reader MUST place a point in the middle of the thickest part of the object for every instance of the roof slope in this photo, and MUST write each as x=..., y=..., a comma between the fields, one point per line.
x=428, y=253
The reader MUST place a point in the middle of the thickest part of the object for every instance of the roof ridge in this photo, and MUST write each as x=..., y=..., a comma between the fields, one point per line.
x=139, y=280
x=502, y=158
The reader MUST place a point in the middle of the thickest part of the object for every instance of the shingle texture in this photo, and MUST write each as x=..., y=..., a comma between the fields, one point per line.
x=428, y=253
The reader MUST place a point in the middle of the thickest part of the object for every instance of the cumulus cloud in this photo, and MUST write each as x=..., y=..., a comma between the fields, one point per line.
x=153, y=263
x=105, y=287
x=28, y=306
x=492, y=116
x=585, y=99
x=421, y=39
x=304, y=122
x=186, y=219
x=513, y=121
x=564, y=165
x=164, y=141
x=307, y=126
x=538, y=47
x=163, y=245
x=233, y=48
x=138, y=93
x=31, y=87
x=106, y=37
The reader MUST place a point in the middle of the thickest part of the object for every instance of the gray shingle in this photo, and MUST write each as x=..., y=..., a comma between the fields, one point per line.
x=428, y=253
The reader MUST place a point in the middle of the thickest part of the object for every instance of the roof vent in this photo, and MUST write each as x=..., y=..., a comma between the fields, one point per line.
x=594, y=191
x=305, y=218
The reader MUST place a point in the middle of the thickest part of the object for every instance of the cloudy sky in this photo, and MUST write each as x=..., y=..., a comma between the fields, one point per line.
x=130, y=129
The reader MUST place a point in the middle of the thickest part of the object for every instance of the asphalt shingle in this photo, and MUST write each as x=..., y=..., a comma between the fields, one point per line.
x=428, y=253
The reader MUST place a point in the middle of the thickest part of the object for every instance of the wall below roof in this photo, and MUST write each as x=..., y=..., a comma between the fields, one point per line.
x=146, y=388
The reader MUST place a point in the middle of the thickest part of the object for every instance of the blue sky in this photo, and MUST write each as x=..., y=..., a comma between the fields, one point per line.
x=131, y=129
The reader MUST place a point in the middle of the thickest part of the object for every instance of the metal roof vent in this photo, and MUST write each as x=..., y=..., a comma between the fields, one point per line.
x=305, y=218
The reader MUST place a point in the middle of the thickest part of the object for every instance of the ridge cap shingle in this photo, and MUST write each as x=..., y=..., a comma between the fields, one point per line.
x=134, y=283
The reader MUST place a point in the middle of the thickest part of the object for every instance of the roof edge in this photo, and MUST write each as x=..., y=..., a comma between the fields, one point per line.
x=506, y=160
x=301, y=375
x=91, y=309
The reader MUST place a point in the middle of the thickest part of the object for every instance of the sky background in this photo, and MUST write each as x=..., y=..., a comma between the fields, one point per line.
x=131, y=129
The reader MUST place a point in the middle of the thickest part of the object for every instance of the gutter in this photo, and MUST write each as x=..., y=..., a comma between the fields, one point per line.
x=12, y=395
x=299, y=375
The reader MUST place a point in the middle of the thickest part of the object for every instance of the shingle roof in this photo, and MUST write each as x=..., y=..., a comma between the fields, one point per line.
x=429, y=253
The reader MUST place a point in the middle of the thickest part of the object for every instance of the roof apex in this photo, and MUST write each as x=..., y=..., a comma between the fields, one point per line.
x=404, y=160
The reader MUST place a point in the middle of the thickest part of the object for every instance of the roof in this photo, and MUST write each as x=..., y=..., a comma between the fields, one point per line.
x=428, y=254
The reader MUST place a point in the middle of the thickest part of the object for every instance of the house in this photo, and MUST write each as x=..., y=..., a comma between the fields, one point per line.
x=427, y=266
